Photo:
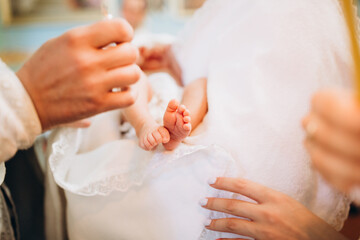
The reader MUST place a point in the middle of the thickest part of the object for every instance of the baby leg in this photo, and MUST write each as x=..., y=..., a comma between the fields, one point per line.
x=149, y=132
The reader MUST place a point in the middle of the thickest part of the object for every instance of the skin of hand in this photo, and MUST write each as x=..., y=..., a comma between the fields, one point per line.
x=85, y=123
x=158, y=58
x=333, y=141
x=273, y=216
x=72, y=77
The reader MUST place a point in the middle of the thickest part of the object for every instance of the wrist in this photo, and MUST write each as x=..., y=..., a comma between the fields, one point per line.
x=320, y=230
x=25, y=78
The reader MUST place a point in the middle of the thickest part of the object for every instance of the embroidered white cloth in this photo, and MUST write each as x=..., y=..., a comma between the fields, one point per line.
x=263, y=60
x=19, y=123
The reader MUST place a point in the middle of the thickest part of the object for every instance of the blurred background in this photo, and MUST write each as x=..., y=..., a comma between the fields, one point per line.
x=26, y=24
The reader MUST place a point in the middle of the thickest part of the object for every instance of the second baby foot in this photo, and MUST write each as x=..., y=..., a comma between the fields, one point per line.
x=152, y=135
x=178, y=122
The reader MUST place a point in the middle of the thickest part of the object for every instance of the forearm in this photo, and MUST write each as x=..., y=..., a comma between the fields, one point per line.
x=195, y=99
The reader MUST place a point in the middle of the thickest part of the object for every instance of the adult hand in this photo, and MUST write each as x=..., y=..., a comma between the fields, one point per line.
x=274, y=216
x=333, y=141
x=71, y=77
x=85, y=123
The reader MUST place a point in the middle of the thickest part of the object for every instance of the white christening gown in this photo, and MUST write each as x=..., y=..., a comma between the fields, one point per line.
x=263, y=60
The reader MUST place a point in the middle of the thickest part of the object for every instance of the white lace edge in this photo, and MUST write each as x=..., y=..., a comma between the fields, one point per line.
x=61, y=139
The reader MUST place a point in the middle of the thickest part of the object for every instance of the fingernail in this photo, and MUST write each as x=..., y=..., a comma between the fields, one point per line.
x=203, y=202
x=207, y=222
x=212, y=181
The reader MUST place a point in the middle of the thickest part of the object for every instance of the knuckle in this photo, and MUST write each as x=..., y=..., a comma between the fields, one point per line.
x=240, y=184
x=231, y=206
x=73, y=37
x=126, y=29
x=130, y=51
x=83, y=63
x=132, y=73
x=268, y=233
x=270, y=216
x=136, y=72
x=230, y=225
x=275, y=196
x=129, y=99
x=95, y=101
x=150, y=138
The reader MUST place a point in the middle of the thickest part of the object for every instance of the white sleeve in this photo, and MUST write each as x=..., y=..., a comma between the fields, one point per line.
x=19, y=123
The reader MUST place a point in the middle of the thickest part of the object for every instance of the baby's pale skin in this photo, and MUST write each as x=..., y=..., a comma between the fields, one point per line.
x=177, y=119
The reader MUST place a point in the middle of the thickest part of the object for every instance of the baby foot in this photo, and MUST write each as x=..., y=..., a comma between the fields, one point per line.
x=152, y=135
x=177, y=122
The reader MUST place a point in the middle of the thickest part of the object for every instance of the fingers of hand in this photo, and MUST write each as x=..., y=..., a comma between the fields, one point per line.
x=339, y=108
x=121, y=99
x=332, y=137
x=244, y=187
x=117, y=56
x=78, y=124
x=151, y=139
x=147, y=145
x=105, y=32
x=157, y=136
x=233, y=225
x=233, y=206
x=121, y=77
x=164, y=134
x=334, y=168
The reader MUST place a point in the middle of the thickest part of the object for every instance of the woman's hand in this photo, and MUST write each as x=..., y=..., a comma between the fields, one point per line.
x=274, y=216
x=333, y=137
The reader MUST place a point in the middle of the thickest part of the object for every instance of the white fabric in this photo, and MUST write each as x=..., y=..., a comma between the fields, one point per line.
x=263, y=69
x=19, y=123
x=263, y=59
x=136, y=183
x=301, y=47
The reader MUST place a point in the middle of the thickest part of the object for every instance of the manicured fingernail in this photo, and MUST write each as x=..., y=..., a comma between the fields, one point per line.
x=212, y=181
x=203, y=202
x=207, y=222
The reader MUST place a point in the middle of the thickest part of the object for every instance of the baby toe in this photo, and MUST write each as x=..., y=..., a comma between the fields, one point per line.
x=151, y=140
x=186, y=113
x=181, y=109
x=164, y=134
x=172, y=106
x=187, y=119
x=187, y=127
x=157, y=136
x=146, y=145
